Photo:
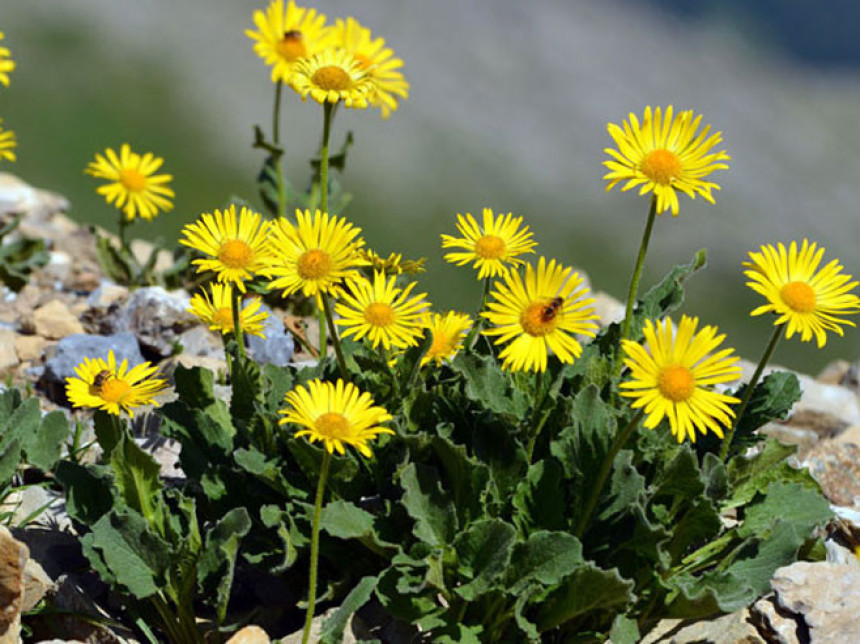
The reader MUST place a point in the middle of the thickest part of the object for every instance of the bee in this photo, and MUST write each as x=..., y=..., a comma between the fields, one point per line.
x=101, y=378
x=551, y=310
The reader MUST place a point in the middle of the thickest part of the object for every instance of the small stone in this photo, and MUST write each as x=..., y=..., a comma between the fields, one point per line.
x=277, y=347
x=19, y=197
x=54, y=321
x=31, y=347
x=142, y=249
x=157, y=318
x=834, y=400
x=106, y=294
x=250, y=635
x=836, y=467
x=201, y=342
x=13, y=559
x=839, y=372
x=36, y=585
x=850, y=435
x=8, y=352
x=777, y=625
x=727, y=629
x=608, y=308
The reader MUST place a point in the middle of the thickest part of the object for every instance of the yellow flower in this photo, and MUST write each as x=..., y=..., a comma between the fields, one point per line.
x=673, y=375
x=664, y=154
x=394, y=264
x=7, y=144
x=6, y=63
x=216, y=312
x=284, y=36
x=105, y=386
x=807, y=300
x=538, y=314
x=133, y=187
x=333, y=75
x=318, y=255
x=382, y=312
x=448, y=332
x=335, y=414
x=493, y=247
x=379, y=62
x=238, y=249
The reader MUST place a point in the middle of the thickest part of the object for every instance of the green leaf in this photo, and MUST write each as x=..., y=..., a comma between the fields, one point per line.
x=546, y=557
x=334, y=626
x=114, y=263
x=10, y=459
x=540, y=498
x=88, y=491
x=484, y=551
x=43, y=449
x=22, y=420
x=432, y=508
x=404, y=594
x=218, y=561
x=489, y=386
x=668, y=295
x=791, y=503
x=751, y=476
x=205, y=439
x=247, y=382
x=136, y=476
x=345, y=520
x=109, y=429
x=624, y=630
x=707, y=595
x=772, y=400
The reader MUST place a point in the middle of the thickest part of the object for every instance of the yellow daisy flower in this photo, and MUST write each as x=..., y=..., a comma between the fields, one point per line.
x=216, y=312
x=379, y=62
x=493, y=247
x=103, y=385
x=6, y=63
x=665, y=154
x=316, y=256
x=672, y=376
x=284, y=36
x=134, y=187
x=538, y=314
x=331, y=76
x=8, y=143
x=335, y=414
x=448, y=331
x=238, y=248
x=807, y=300
x=382, y=312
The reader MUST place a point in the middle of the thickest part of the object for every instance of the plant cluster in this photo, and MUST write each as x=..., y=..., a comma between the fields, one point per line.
x=522, y=474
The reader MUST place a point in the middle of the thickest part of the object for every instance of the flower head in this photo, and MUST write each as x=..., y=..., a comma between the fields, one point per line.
x=807, y=300
x=105, y=386
x=673, y=374
x=335, y=413
x=538, y=314
x=133, y=186
x=382, y=312
x=7, y=144
x=216, y=311
x=285, y=35
x=494, y=246
x=383, y=69
x=448, y=332
x=317, y=255
x=331, y=76
x=237, y=247
x=394, y=264
x=664, y=154
x=6, y=63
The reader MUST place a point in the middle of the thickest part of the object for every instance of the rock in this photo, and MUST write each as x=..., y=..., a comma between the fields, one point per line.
x=36, y=585
x=37, y=505
x=277, y=347
x=777, y=625
x=106, y=295
x=834, y=400
x=31, y=347
x=216, y=366
x=19, y=197
x=142, y=249
x=157, y=318
x=608, y=308
x=198, y=341
x=839, y=372
x=79, y=618
x=788, y=434
x=836, y=467
x=727, y=629
x=13, y=560
x=825, y=596
x=250, y=635
x=54, y=321
x=8, y=353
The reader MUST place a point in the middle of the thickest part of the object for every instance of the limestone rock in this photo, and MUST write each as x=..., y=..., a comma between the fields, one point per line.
x=836, y=467
x=30, y=347
x=608, y=308
x=54, y=321
x=19, y=197
x=8, y=354
x=728, y=629
x=157, y=318
x=776, y=624
x=277, y=347
x=13, y=559
x=250, y=635
x=36, y=585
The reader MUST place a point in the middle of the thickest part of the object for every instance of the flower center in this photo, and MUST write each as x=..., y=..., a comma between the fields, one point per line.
x=114, y=390
x=798, y=296
x=132, y=180
x=331, y=77
x=661, y=166
x=379, y=314
x=676, y=383
x=291, y=47
x=534, y=318
x=332, y=425
x=490, y=247
x=223, y=318
x=314, y=264
x=235, y=253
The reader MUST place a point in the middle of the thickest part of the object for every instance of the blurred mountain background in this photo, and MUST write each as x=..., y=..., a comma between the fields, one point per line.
x=508, y=109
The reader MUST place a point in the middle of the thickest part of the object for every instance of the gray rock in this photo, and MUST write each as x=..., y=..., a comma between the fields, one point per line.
x=278, y=345
x=157, y=318
x=777, y=625
x=728, y=629
x=199, y=341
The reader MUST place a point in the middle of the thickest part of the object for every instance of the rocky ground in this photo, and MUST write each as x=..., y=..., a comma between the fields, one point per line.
x=69, y=310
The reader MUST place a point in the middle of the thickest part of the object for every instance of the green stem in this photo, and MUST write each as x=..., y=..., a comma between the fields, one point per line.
x=276, y=113
x=535, y=425
x=315, y=545
x=395, y=385
x=321, y=323
x=276, y=122
x=237, y=326
x=479, y=321
x=338, y=351
x=123, y=225
x=765, y=358
x=328, y=109
x=637, y=271
x=617, y=444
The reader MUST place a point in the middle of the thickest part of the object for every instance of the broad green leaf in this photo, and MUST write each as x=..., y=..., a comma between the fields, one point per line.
x=333, y=627
x=87, y=489
x=267, y=470
x=278, y=381
x=205, y=441
x=432, y=508
x=546, y=557
x=22, y=421
x=489, y=386
x=345, y=520
x=456, y=633
x=404, y=594
x=667, y=296
x=755, y=475
x=484, y=551
x=136, y=476
x=109, y=429
x=707, y=595
x=540, y=498
x=492, y=442
x=624, y=630
x=218, y=561
x=698, y=523
x=247, y=383
x=772, y=399
x=788, y=502
x=43, y=449
x=10, y=459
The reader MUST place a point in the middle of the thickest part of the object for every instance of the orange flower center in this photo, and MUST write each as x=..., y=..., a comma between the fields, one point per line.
x=114, y=390
x=132, y=180
x=332, y=425
x=223, y=317
x=490, y=247
x=661, y=166
x=235, y=253
x=534, y=318
x=379, y=314
x=676, y=383
x=331, y=77
x=314, y=264
x=291, y=47
x=798, y=296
